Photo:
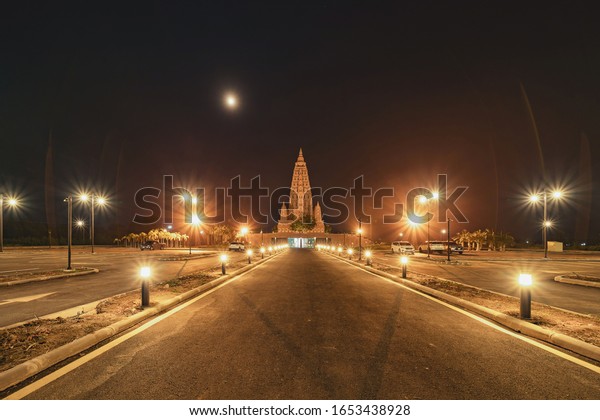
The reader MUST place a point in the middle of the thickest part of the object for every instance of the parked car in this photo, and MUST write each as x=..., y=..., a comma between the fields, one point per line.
x=454, y=247
x=434, y=246
x=237, y=246
x=152, y=245
x=402, y=247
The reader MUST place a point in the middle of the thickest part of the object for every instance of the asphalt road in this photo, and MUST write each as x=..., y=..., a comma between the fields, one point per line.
x=501, y=276
x=118, y=274
x=307, y=326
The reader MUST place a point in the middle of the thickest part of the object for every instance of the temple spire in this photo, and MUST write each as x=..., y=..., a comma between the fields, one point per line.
x=300, y=156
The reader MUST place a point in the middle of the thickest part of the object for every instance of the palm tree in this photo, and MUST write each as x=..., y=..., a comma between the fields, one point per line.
x=491, y=239
x=464, y=238
x=479, y=237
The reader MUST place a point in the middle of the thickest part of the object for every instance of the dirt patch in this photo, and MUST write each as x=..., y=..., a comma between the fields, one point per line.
x=19, y=344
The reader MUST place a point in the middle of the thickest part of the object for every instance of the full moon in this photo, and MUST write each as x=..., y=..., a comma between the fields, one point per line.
x=231, y=101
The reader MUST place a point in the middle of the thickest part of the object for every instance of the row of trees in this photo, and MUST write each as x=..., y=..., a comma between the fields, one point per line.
x=206, y=234
x=476, y=240
x=171, y=239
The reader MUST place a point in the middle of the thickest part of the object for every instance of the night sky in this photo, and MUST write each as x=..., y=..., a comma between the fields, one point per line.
x=113, y=96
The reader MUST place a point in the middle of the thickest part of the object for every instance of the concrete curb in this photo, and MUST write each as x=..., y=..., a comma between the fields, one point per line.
x=44, y=278
x=565, y=279
x=38, y=364
x=573, y=344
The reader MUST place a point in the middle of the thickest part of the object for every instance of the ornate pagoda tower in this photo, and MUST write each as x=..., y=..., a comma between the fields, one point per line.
x=300, y=195
x=301, y=202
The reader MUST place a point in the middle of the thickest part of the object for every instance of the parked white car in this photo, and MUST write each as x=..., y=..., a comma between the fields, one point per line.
x=237, y=246
x=402, y=247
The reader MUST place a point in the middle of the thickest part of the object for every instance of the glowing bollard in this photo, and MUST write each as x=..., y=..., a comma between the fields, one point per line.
x=223, y=264
x=249, y=254
x=368, y=256
x=145, y=276
x=525, y=281
x=404, y=262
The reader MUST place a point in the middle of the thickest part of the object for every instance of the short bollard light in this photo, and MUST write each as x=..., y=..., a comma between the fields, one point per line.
x=404, y=262
x=249, y=254
x=223, y=264
x=145, y=276
x=340, y=249
x=270, y=250
x=262, y=252
x=350, y=252
x=525, y=281
x=368, y=256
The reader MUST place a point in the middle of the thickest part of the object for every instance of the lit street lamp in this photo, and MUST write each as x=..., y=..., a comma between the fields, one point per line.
x=81, y=225
x=535, y=198
x=95, y=200
x=69, y=201
x=423, y=199
x=448, y=244
x=12, y=202
x=195, y=224
x=359, y=231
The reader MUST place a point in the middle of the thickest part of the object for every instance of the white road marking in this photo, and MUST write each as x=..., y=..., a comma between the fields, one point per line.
x=24, y=299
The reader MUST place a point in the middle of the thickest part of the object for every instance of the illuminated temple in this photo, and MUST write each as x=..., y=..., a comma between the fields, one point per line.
x=299, y=215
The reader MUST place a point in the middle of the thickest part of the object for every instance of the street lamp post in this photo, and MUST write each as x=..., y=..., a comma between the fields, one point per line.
x=81, y=225
x=11, y=202
x=1, y=222
x=448, y=232
x=94, y=200
x=545, y=223
x=359, y=239
x=69, y=201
